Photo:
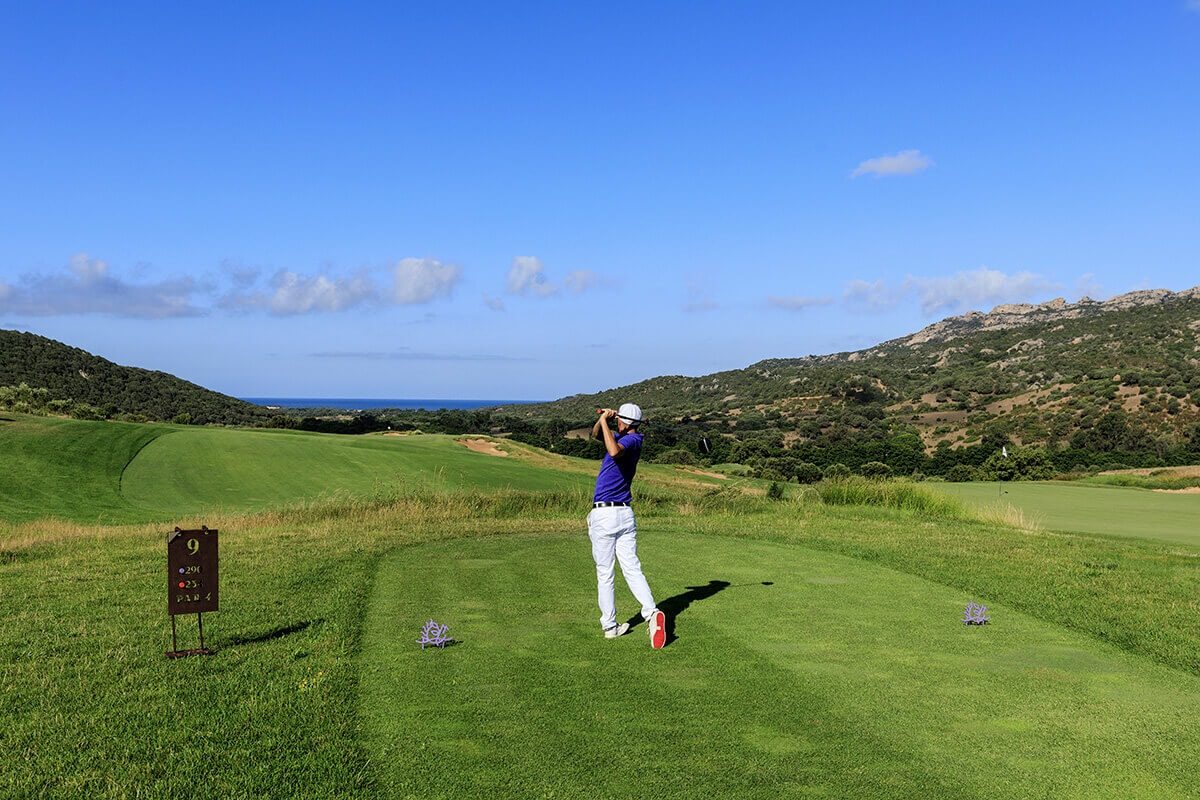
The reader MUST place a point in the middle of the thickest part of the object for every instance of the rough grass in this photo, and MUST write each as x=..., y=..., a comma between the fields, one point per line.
x=1162, y=481
x=900, y=494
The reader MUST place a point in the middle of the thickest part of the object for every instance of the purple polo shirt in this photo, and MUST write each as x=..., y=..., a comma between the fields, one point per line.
x=616, y=474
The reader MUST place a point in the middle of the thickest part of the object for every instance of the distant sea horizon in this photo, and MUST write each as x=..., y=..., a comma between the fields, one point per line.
x=366, y=403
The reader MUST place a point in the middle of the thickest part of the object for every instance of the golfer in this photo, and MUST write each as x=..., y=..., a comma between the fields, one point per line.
x=611, y=525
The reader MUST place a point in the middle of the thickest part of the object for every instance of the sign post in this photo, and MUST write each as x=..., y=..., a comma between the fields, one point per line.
x=191, y=581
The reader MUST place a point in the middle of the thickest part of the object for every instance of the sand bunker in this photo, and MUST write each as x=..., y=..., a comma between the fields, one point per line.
x=483, y=446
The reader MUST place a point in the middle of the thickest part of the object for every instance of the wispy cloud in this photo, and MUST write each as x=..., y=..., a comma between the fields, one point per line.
x=415, y=281
x=422, y=280
x=870, y=296
x=797, y=303
x=87, y=287
x=408, y=354
x=494, y=303
x=973, y=289
x=1192, y=5
x=581, y=280
x=527, y=277
x=906, y=162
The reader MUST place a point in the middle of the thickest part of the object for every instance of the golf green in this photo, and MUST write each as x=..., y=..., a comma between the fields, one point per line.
x=790, y=673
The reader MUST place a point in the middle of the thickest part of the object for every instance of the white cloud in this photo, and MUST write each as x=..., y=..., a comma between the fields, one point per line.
x=414, y=281
x=298, y=294
x=494, y=303
x=420, y=280
x=88, y=270
x=906, y=162
x=975, y=289
x=1192, y=5
x=871, y=296
x=979, y=289
x=527, y=277
x=86, y=287
x=797, y=303
x=581, y=280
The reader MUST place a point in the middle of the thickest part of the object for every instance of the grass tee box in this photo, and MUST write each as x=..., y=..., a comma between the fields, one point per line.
x=795, y=673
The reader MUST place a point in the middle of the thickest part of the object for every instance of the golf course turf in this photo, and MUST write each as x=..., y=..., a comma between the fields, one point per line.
x=793, y=672
x=817, y=650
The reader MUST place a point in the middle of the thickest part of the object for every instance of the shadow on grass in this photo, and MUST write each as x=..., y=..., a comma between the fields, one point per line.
x=272, y=635
x=672, y=607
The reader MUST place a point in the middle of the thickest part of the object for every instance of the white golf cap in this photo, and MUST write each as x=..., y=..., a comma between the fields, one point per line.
x=630, y=413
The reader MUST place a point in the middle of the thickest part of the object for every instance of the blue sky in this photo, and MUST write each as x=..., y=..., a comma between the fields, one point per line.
x=530, y=200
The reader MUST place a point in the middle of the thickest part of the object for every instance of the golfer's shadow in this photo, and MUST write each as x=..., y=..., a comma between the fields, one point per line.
x=672, y=607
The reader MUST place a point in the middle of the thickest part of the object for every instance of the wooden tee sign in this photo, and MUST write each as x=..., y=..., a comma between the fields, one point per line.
x=191, y=571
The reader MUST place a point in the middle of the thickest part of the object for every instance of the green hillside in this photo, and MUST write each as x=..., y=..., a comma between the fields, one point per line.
x=74, y=377
x=1091, y=384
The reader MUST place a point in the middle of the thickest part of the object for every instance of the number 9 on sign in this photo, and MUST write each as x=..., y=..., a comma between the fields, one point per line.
x=193, y=555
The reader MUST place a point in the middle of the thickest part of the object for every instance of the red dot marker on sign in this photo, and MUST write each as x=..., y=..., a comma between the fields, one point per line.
x=181, y=584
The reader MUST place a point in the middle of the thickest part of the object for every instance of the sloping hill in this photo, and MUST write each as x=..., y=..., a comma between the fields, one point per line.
x=76, y=376
x=1121, y=375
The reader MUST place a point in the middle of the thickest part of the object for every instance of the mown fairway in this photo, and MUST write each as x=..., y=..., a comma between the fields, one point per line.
x=1111, y=510
x=850, y=675
x=190, y=470
x=66, y=468
x=111, y=472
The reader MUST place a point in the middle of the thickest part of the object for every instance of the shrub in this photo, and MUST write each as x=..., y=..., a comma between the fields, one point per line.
x=836, y=472
x=86, y=411
x=961, y=473
x=676, y=456
x=876, y=470
x=775, y=491
x=808, y=472
x=1021, y=464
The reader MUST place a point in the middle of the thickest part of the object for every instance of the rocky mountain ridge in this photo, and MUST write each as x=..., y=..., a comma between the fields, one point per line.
x=1016, y=315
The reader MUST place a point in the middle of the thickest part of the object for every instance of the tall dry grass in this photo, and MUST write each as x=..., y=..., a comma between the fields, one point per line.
x=900, y=494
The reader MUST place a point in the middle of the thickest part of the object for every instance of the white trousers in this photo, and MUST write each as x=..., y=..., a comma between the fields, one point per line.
x=614, y=540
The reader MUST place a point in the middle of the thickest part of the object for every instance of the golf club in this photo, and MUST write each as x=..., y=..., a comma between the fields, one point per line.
x=705, y=447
